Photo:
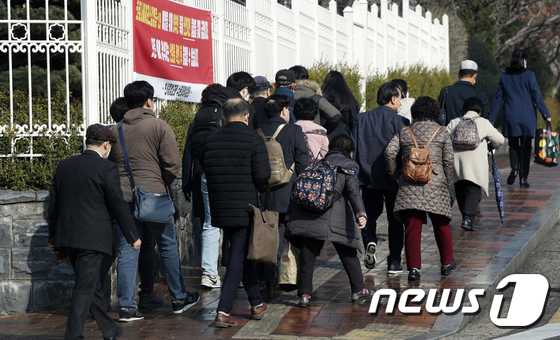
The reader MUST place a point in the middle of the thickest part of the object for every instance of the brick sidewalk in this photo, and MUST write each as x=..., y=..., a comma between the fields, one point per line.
x=331, y=314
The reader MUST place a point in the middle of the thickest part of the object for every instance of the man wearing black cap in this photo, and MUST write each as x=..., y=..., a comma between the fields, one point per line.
x=259, y=93
x=453, y=97
x=85, y=192
x=284, y=84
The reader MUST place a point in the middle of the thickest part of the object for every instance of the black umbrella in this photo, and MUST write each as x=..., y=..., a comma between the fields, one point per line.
x=498, y=187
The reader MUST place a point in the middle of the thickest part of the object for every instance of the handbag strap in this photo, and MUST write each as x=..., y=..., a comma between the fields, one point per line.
x=126, y=162
x=548, y=129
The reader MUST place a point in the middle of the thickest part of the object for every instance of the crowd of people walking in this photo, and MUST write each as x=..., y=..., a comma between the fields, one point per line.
x=410, y=157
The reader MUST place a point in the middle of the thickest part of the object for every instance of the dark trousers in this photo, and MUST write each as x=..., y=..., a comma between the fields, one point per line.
x=373, y=201
x=468, y=198
x=270, y=271
x=87, y=294
x=413, y=230
x=311, y=248
x=239, y=269
x=520, y=154
x=147, y=263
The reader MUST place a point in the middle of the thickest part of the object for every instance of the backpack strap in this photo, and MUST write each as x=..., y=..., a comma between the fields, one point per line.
x=278, y=131
x=260, y=132
x=315, y=132
x=413, y=138
x=435, y=133
x=440, y=156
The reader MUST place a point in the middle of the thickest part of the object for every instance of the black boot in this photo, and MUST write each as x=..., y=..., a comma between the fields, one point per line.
x=512, y=175
x=523, y=183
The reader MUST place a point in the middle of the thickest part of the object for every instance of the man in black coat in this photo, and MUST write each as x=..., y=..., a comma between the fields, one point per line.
x=85, y=192
x=259, y=93
x=244, y=82
x=236, y=163
x=371, y=133
x=296, y=159
x=453, y=97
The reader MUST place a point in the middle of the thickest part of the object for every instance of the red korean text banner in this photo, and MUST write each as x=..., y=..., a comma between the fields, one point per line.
x=172, y=48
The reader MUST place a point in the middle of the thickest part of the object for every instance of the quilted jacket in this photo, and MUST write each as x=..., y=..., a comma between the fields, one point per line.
x=235, y=164
x=338, y=224
x=432, y=196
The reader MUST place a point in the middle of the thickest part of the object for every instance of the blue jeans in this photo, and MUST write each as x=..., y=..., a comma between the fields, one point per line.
x=127, y=263
x=210, y=236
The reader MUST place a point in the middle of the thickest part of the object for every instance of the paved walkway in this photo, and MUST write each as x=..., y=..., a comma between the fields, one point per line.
x=482, y=257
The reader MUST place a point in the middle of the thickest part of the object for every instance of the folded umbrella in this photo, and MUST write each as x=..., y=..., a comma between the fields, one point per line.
x=498, y=188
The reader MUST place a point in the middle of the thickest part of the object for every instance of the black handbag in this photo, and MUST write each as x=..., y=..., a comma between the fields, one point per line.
x=148, y=207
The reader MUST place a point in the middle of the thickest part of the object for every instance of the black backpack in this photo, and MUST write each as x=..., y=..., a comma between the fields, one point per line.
x=207, y=120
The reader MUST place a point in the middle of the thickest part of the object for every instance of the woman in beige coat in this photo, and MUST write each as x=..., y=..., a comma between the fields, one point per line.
x=471, y=166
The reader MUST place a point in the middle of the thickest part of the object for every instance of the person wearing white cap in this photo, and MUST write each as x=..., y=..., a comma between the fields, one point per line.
x=451, y=98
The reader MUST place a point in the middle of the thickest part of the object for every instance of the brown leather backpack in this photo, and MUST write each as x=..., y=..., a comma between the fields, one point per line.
x=418, y=166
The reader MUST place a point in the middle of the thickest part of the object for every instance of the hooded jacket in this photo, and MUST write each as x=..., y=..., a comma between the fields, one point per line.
x=307, y=89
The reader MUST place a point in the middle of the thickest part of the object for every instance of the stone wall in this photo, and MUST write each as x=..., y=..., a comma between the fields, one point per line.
x=31, y=280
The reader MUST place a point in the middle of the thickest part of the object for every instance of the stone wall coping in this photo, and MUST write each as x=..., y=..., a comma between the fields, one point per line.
x=13, y=197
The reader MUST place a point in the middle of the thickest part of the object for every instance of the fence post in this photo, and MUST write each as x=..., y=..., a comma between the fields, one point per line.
x=360, y=25
x=128, y=24
x=349, y=17
x=445, y=46
x=90, y=68
x=430, y=26
x=250, y=5
x=297, y=25
x=274, y=15
x=406, y=29
x=332, y=9
x=220, y=13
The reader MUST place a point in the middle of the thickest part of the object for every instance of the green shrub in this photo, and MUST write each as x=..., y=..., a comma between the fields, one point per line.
x=421, y=81
x=23, y=173
x=553, y=106
x=179, y=116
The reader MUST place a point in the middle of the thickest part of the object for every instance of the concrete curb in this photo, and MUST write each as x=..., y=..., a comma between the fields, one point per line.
x=507, y=262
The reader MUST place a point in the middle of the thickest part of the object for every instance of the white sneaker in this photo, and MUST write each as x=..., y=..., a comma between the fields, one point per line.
x=370, y=259
x=210, y=281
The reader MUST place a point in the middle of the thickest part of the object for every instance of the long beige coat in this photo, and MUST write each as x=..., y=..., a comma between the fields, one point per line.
x=472, y=165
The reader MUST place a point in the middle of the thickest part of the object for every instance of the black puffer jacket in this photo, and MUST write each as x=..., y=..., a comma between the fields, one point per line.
x=338, y=224
x=235, y=161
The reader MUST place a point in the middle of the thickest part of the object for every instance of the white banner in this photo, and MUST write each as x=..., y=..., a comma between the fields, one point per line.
x=173, y=90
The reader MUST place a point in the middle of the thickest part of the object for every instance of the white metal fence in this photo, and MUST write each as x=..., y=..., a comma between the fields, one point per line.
x=260, y=38
x=263, y=36
x=36, y=97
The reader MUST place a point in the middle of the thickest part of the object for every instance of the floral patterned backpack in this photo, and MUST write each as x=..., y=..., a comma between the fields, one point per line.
x=314, y=187
x=465, y=135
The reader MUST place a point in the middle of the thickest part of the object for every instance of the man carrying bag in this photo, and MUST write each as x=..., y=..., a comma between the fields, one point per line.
x=154, y=161
x=236, y=163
